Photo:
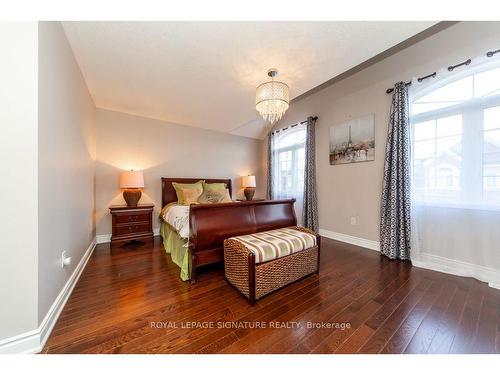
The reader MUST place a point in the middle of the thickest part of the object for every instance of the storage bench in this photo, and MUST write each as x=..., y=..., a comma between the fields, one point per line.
x=258, y=264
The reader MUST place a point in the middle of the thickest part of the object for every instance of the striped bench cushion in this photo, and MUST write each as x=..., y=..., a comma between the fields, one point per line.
x=276, y=243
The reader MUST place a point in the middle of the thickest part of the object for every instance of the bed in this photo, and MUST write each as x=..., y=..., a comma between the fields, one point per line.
x=194, y=235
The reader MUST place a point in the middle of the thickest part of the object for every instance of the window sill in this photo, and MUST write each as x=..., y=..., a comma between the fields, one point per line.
x=459, y=206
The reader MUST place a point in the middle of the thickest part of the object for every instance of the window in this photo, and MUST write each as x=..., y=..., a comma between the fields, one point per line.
x=456, y=141
x=491, y=154
x=289, y=151
x=438, y=157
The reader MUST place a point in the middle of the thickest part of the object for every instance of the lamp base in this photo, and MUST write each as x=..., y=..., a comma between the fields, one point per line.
x=249, y=193
x=132, y=196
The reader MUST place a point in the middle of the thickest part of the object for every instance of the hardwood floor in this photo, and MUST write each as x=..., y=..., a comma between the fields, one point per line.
x=390, y=307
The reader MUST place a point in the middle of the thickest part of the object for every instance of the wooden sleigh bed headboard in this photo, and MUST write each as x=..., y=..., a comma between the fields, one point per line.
x=168, y=194
x=210, y=224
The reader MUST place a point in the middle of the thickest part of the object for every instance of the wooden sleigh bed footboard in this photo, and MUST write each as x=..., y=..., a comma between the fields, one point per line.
x=211, y=224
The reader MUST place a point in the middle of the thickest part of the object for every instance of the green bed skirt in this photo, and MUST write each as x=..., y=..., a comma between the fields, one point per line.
x=177, y=247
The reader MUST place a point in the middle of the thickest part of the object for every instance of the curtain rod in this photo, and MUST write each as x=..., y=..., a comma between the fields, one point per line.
x=294, y=125
x=450, y=69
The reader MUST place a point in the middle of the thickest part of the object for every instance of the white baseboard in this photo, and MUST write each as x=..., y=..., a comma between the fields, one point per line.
x=25, y=343
x=368, y=244
x=105, y=238
x=102, y=238
x=33, y=341
x=459, y=268
x=428, y=261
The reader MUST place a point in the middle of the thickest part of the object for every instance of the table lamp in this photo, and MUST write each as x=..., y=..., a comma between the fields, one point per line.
x=248, y=183
x=132, y=182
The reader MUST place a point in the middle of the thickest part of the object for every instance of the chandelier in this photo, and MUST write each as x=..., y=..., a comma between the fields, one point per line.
x=272, y=98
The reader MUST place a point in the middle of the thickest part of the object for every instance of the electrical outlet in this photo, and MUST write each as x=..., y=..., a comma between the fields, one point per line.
x=353, y=220
x=65, y=259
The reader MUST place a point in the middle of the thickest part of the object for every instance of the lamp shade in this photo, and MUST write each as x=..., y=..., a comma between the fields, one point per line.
x=248, y=181
x=131, y=180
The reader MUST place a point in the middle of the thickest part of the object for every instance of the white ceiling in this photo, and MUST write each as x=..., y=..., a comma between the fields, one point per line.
x=204, y=74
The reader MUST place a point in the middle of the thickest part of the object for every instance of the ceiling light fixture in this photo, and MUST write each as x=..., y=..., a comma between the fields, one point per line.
x=272, y=98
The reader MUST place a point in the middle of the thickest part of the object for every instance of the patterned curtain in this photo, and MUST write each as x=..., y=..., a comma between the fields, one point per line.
x=396, y=193
x=270, y=181
x=310, y=210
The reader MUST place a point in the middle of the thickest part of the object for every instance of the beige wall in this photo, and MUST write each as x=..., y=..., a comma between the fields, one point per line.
x=66, y=157
x=163, y=149
x=354, y=190
x=18, y=190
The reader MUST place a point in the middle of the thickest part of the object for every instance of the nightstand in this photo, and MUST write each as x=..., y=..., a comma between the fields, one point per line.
x=253, y=200
x=131, y=223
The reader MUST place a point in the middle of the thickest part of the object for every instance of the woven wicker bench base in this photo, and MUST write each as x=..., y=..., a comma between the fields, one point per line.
x=255, y=281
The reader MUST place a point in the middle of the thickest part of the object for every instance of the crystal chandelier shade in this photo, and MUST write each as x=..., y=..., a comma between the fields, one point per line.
x=272, y=99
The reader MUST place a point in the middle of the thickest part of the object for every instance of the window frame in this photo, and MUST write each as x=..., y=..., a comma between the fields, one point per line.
x=294, y=148
x=472, y=111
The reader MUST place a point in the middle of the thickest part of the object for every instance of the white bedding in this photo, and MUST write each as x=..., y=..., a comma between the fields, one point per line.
x=178, y=217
